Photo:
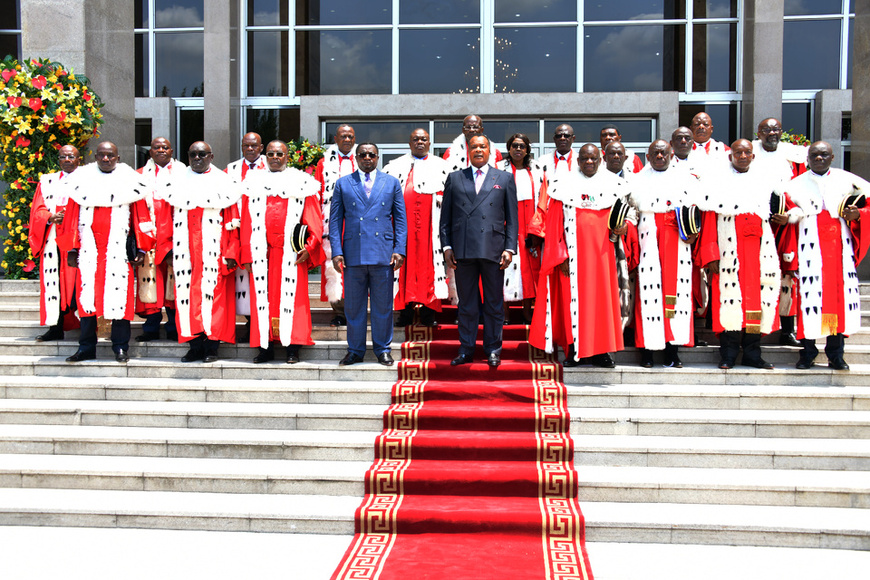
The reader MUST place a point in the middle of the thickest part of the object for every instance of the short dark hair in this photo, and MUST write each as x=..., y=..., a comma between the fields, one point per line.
x=525, y=139
x=368, y=143
x=611, y=126
x=481, y=135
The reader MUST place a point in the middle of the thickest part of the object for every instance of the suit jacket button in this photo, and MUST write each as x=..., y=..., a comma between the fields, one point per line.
x=481, y=230
x=360, y=219
x=376, y=233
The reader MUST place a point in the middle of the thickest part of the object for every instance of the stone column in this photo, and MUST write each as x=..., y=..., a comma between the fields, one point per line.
x=94, y=38
x=762, y=63
x=861, y=90
x=222, y=119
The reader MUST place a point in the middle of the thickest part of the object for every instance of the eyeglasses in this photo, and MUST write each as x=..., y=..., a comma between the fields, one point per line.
x=67, y=156
x=518, y=146
x=470, y=127
x=277, y=154
x=769, y=130
x=563, y=135
x=367, y=154
x=198, y=154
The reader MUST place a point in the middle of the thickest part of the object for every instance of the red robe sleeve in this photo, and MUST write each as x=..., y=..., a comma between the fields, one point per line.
x=631, y=246
x=637, y=163
x=68, y=232
x=556, y=248
x=538, y=226
x=706, y=248
x=39, y=226
x=143, y=227
x=312, y=216
x=861, y=233
x=163, y=217
x=230, y=242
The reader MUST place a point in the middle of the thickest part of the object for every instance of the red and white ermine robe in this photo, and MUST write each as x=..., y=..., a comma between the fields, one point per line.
x=330, y=168
x=155, y=283
x=550, y=165
x=239, y=171
x=422, y=278
x=663, y=300
x=199, y=226
x=103, y=209
x=582, y=309
x=784, y=164
x=273, y=203
x=457, y=154
x=521, y=277
x=736, y=231
x=828, y=250
x=57, y=281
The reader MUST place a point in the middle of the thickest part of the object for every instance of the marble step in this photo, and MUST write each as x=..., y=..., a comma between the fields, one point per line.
x=85, y=553
x=323, y=369
x=805, y=527
x=599, y=450
x=651, y=396
x=357, y=417
x=597, y=483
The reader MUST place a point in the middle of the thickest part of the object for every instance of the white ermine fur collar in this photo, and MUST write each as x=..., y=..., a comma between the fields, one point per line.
x=90, y=187
x=576, y=190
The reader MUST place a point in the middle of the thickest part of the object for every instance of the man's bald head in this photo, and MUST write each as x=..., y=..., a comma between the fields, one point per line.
x=659, y=154
x=68, y=157
x=820, y=156
x=702, y=127
x=769, y=133
x=107, y=156
x=681, y=142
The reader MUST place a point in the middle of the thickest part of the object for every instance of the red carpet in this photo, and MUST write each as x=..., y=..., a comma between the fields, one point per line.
x=473, y=476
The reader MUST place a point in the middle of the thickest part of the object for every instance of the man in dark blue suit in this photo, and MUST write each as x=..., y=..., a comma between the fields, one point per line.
x=368, y=232
x=479, y=237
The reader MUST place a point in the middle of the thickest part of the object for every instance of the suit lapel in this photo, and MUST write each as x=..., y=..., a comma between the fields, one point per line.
x=468, y=181
x=485, y=188
x=359, y=189
x=376, y=189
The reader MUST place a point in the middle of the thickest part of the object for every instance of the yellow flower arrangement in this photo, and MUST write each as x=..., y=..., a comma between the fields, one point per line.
x=43, y=107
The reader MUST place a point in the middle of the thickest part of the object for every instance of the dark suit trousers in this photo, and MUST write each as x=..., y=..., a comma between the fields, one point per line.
x=88, y=336
x=468, y=273
x=360, y=283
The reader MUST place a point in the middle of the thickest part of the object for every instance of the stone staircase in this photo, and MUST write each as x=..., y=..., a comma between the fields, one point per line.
x=696, y=463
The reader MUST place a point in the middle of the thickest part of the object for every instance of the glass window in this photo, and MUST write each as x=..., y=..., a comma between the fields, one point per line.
x=179, y=64
x=497, y=131
x=796, y=118
x=715, y=8
x=800, y=7
x=542, y=11
x=714, y=57
x=634, y=58
x=178, y=13
x=273, y=124
x=439, y=12
x=268, y=13
x=850, y=63
x=342, y=62
x=349, y=12
x=190, y=130
x=724, y=118
x=535, y=60
x=140, y=14
x=374, y=132
x=10, y=44
x=11, y=15
x=589, y=131
x=267, y=63
x=143, y=141
x=143, y=77
x=811, y=65
x=634, y=9
x=439, y=61
x=846, y=128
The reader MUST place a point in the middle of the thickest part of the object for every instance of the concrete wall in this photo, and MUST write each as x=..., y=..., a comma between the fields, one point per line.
x=221, y=62
x=762, y=63
x=161, y=111
x=828, y=122
x=664, y=106
x=105, y=54
x=861, y=90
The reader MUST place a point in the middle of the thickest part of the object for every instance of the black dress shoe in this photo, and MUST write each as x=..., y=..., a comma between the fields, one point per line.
x=406, y=318
x=338, y=321
x=350, y=359
x=265, y=355
x=428, y=321
x=54, y=333
x=385, y=359
x=292, y=357
x=675, y=362
x=81, y=355
x=804, y=364
x=192, y=356
x=174, y=337
x=493, y=360
x=838, y=365
x=604, y=361
x=570, y=362
x=646, y=359
x=121, y=356
x=758, y=364
x=699, y=342
x=461, y=360
x=788, y=339
x=148, y=336
x=210, y=358
x=726, y=364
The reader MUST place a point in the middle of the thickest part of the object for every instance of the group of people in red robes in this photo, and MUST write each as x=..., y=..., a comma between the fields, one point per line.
x=756, y=237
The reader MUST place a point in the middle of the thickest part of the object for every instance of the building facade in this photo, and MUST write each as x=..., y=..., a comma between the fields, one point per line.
x=191, y=69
